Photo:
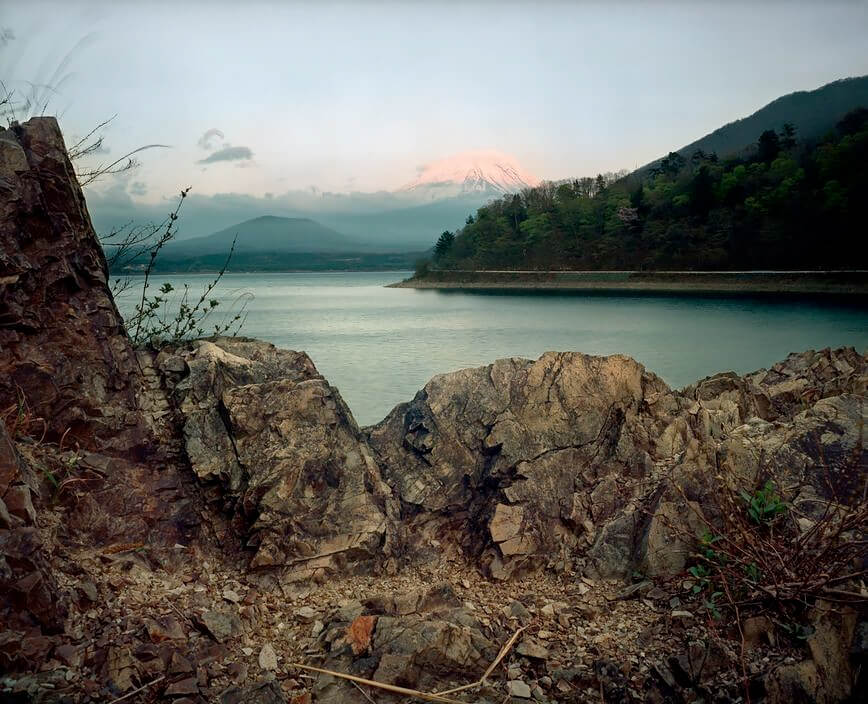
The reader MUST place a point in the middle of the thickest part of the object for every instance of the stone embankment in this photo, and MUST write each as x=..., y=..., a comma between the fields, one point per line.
x=196, y=523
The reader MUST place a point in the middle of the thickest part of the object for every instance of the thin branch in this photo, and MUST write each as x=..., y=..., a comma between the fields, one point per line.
x=140, y=689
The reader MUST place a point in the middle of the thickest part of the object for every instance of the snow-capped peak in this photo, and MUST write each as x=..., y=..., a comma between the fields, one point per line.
x=472, y=172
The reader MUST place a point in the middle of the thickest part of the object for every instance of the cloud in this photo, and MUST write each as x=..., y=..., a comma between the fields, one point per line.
x=138, y=188
x=228, y=153
x=205, y=140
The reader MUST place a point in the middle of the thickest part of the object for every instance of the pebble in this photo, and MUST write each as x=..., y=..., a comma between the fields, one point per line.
x=267, y=657
x=681, y=614
x=231, y=595
x=305, y=614
x=517, y=688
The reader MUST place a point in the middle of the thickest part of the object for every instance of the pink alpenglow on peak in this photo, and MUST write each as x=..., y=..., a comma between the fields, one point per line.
x=473, y=172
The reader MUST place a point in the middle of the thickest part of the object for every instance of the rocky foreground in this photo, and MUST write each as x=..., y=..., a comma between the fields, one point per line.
x=206, y=522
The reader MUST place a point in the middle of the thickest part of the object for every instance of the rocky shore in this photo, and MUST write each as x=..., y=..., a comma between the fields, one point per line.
x=852, y=284
x=206, y=522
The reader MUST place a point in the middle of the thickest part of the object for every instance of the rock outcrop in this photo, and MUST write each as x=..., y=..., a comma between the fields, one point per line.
x=522, y=458
x=65, y=356
x=70, y=380
x=577, y=458
x=276, y=446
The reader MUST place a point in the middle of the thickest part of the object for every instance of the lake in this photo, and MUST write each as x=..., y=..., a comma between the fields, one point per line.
x=379, y=345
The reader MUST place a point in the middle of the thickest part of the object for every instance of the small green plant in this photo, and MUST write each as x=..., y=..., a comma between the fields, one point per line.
x=711, y=605
x=752, y=572
x=706, y=546
x=702, y=575
x=795, y=630
x=764, y=506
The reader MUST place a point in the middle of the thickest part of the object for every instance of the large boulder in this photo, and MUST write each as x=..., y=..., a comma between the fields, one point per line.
x=279, y=448
x=521, y=459
x=595, y=462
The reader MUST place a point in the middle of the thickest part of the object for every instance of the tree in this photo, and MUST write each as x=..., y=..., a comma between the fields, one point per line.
x=672, y=164
x=854, y=121
x=444, y=244
x=701, y=192
x=768, y=146
x=788, y=136
x=599, y=184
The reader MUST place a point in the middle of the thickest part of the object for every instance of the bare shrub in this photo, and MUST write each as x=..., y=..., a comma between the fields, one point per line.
x=162, y=317
x=777, y=545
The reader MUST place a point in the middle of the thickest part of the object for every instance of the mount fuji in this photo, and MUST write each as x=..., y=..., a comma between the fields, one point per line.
x=484, y=172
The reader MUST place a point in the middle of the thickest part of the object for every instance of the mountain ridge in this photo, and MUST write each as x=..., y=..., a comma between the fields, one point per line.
x=266, y=233
x=812, y=112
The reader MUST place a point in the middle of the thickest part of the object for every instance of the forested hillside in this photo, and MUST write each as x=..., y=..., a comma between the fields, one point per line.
x=789, y=203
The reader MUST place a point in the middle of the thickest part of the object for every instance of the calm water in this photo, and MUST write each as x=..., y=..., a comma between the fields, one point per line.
x=380, y=345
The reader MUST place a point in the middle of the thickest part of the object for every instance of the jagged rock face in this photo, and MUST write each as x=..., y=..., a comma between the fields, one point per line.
x=279, y=444
x=31, y=593
x=66, y=364
x=575, y=457
x=527, y=456
x=64, y=349
x=789, y=386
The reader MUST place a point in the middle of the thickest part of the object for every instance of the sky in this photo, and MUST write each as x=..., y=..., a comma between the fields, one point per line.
x=262, y=98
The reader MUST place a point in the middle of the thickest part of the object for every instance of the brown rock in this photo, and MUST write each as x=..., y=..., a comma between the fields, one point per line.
x=120, y=668
x=31, y=595
x=359, y=633
x=9, y=469
x=166, y=628
x=531, y=649
x=280, y=441
x=520, y=446
x=237, y=671
x=220, y=625
x=179, y=665
x=70, y=655
x=260, y=693
x=398, y=670
x=19, y=504
x=189, y=685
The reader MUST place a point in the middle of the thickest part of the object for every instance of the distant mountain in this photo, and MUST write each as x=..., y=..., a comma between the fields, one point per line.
x=814, y=113
x=413, y=227
x=271, y=243
x=267, y=233
x=475, y=172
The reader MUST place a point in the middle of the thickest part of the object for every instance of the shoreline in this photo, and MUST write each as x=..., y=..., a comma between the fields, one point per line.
x=834, y=283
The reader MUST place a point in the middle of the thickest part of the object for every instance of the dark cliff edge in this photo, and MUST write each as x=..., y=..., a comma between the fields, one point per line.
x=200, y=522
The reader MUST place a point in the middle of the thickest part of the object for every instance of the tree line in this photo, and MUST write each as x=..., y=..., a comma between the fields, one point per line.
x=786, y=204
